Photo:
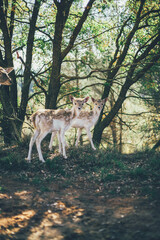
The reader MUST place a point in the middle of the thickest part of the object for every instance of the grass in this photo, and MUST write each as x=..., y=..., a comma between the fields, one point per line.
x=13, y=162
x=100, y=167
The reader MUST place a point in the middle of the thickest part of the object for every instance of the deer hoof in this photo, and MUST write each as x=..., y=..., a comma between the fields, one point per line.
x=42, y=160
x=28, y=160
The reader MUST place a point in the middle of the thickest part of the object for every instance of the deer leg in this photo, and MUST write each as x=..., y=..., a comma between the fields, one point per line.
x=66, y=144
x=90, y=138
x=33, y=139
x=60, y=143
x=51, y=140
x=38, y=144
x=78, y=136
x=62, y=140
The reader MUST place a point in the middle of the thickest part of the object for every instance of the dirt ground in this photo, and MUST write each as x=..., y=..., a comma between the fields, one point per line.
x=73, y=207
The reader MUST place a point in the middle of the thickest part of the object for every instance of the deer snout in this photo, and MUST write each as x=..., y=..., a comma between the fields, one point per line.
x=99, y=107
x=79, y=108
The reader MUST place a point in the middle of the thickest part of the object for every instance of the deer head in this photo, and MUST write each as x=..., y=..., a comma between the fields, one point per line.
x=99, y=104
x=78, y=103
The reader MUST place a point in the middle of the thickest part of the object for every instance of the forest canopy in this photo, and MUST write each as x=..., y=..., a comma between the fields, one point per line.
x=101, y=48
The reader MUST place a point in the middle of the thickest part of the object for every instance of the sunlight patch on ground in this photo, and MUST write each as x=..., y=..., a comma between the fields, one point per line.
x=54, y=223
x=123, y=211
x=47, y=227
x=15, y=223
x=3, y=195
x=122, y=207
x=23, y=195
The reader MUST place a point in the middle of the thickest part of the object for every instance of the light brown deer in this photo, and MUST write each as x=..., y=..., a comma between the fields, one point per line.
x=86, y=119
x=4, y=77
x=46, y=121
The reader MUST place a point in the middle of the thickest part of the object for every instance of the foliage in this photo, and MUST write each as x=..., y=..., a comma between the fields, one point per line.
x=103, y=48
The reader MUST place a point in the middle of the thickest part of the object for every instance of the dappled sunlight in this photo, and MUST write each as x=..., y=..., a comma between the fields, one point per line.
x=63, y=200
x=122, y=207
x=3, y=195
x=47, y=227
x=15, y=214
x=54, y=224
x=122, y=212
x=68, y=210
x=23, y=195
x=13, y=224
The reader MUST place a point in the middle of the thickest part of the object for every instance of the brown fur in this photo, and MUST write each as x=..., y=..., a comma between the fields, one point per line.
x=50, y=114
x=86, y=114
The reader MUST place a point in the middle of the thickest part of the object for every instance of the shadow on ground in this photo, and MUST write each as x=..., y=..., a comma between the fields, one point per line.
x=38, y=204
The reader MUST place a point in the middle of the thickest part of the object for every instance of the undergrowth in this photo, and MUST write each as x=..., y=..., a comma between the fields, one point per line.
x=100, y=167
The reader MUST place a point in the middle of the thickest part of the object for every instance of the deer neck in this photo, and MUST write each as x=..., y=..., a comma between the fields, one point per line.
x=96, y=113
x=74, y=113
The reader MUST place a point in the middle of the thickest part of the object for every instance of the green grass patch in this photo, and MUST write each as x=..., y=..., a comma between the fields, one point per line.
x=55, y=166
x=2, y=189
x=154, y=162
x=139, y=172
x=104, y=167
x=13, y=162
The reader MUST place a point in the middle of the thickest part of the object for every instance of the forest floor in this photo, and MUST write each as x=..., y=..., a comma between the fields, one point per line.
x=91, y=195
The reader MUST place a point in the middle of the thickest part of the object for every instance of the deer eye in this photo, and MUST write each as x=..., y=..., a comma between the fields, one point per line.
x=82, y=104
x=75, y=103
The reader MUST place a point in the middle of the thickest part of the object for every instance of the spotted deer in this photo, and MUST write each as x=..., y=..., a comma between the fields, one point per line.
x=47, y=120
x=4, y=77
x=86, y=119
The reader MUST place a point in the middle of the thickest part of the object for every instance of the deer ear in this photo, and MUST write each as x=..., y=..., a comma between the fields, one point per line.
x=8, y=70
x=86, y=99
x=71, y=98
x=93, y=100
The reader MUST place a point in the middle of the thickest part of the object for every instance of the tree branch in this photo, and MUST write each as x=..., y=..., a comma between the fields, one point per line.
x=33, y=77
x=78, y=28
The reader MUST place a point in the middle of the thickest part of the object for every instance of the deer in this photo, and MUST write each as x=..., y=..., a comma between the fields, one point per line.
x=86, y=119
x=48, y=120
x=4, y=77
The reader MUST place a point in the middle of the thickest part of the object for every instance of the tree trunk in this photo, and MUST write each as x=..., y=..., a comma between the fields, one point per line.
x=8, y=124
x=54, y=85
x=121, y=132
x=63, y=8
x=8, y=94
x=101, y=125
x=156, y=145
x=28, y=65
x=12, y=118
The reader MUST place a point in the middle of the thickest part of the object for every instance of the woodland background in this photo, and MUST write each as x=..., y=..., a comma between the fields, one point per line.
x=99, y=48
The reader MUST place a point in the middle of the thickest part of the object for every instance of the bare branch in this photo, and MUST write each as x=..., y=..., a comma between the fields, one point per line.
x=78, y=28
x=33, y=77
x=79, y=90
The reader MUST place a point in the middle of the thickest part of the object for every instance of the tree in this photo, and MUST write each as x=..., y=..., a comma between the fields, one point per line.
x=13, y=115
x=11, y=12
x=63, y=8
x=119, y=51
x=132, y=62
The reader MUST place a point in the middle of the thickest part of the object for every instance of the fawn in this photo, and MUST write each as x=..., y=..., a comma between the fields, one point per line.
x=86, y=119
x=47, y=120
x=4, y=77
